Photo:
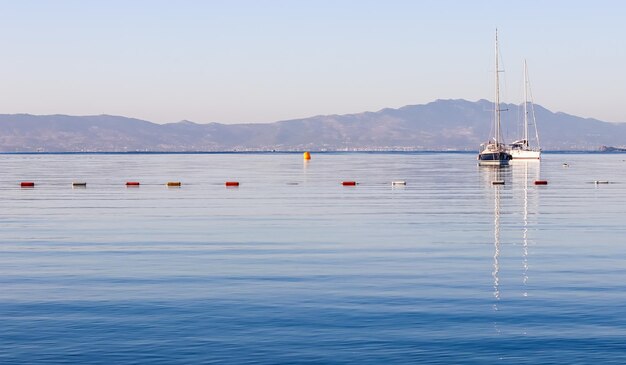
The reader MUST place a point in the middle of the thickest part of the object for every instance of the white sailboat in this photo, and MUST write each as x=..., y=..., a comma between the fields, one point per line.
x=494, y=152
x=521, y=149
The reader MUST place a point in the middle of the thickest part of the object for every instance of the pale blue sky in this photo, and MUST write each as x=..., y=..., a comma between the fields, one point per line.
x=261, y=61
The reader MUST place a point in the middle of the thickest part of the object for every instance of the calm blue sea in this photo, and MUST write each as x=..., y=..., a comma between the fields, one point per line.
x=292, y=267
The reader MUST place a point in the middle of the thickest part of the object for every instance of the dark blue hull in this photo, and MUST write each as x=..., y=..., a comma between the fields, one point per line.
x=494, y=158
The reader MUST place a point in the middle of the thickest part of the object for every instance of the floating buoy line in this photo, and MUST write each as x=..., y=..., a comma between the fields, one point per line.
x=394, y=183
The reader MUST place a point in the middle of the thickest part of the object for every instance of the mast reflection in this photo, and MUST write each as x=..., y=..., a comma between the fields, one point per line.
x=518, y=194
x=525, y=172
x=525, y=233
x=496, y=239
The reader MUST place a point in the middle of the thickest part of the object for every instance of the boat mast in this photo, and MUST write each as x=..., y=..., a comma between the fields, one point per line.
x=526, y=143
x=497, y=99
x=532, y=111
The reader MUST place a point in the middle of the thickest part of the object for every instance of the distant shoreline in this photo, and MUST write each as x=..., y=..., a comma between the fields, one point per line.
x=455, y=126
x=290, y=152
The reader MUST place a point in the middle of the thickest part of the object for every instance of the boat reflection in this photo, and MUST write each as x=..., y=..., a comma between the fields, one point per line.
x=525, y=232
x=488, y=177
x=521, y=171
x=515, y=190
x=496, y=244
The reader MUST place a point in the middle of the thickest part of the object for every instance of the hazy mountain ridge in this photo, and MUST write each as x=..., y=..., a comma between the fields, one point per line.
x=440, y=125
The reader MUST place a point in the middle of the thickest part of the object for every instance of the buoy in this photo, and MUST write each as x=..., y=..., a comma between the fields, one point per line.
x=398, y=183
x=601, y=182
x=497, y=182
x=79, y=184
x=541, y=182
x=306, y=155
x=27, y=184
x=174, y=184
x=232, y=183
x=349, y=183
x=132, y=183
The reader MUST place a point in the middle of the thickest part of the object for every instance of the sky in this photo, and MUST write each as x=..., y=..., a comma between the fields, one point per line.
x=251, y=61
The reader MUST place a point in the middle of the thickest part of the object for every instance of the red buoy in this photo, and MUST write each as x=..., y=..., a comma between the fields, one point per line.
x=541, y=182
x=232, y=183
x=349, y=183
x=132, y=183
x=27, y=184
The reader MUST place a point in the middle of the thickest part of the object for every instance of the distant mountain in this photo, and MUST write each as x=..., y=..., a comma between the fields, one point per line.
x=440, y=125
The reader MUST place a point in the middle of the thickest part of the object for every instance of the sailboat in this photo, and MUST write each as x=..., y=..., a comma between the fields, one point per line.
x=521, y=149
x=494, y=152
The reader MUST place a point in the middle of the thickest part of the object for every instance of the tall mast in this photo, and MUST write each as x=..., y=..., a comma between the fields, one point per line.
x=525, y=104
x=497, y=100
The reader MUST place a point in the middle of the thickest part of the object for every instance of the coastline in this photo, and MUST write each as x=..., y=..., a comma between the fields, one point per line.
x=291, y=152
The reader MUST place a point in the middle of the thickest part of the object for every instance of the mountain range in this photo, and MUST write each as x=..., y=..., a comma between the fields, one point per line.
x=439, y=125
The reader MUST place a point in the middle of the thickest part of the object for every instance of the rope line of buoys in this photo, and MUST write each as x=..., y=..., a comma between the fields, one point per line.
x=394, y=183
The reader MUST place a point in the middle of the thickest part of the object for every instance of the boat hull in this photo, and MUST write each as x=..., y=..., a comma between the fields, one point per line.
x=494, y=159
x=525, y=154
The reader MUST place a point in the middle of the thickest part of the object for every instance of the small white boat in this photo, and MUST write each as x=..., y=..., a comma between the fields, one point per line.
x=521, y=149
x=495, y=152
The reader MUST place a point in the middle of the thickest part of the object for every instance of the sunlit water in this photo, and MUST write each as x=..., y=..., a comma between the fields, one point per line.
x=292, y=267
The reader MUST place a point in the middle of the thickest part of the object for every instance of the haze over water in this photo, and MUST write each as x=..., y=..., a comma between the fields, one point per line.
x=292, y=267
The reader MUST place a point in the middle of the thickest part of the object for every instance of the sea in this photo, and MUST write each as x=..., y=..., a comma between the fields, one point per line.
x=292, y=267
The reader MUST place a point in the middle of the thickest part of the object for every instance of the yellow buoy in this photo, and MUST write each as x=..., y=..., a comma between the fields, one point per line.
x=307, y=155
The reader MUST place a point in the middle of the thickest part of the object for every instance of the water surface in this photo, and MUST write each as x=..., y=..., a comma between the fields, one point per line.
x=292, y=267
